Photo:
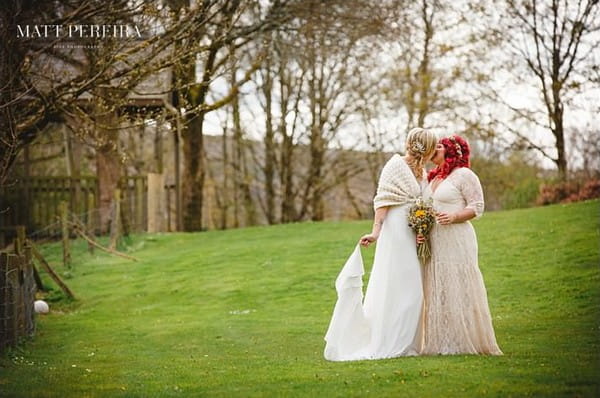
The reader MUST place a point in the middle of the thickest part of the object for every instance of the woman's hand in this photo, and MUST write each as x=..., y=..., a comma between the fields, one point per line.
x=445, y=218
x=421, y=239
x=367, y=239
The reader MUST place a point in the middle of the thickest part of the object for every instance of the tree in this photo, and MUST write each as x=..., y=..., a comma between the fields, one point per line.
x=336, y=46
x=554, y=39
x=88, y=82
x=49, y=75
x=436, y=46
x=233, y=25
x=286, y=85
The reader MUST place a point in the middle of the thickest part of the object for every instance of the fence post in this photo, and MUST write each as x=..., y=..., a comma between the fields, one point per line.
x=27, y=187
x=30, y=288
x=20, y=296
x=10, y=299
x=64, y=223
x=2, y=223
x=156, y=195
x=20, y=239
x=115, y=227
x=3, y=300
x=139, y=205
x=90, y=219
x=125, y=210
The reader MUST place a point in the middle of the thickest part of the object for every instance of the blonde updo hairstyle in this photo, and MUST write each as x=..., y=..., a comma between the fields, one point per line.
x=420, y=145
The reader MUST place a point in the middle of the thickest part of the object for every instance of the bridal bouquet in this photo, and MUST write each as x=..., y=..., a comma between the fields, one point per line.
x=421, y=218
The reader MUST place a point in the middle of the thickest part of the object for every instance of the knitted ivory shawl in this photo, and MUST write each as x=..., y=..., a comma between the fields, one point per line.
x=397, y=184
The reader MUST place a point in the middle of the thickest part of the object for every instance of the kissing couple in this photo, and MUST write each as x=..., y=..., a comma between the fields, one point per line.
x=438, y=306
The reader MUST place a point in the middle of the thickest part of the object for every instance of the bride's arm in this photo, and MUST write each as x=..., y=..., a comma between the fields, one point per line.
x=460, y=216
x=470, y=188
x=380, y=214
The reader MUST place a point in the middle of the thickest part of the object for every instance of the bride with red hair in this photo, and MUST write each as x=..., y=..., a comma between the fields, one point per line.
x=456, y=315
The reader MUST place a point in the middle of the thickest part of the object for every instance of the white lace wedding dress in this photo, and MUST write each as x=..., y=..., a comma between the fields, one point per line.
x=456, y=316
x=386, y=324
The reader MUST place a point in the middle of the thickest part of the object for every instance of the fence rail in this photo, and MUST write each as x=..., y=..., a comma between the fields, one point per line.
x=35, y=203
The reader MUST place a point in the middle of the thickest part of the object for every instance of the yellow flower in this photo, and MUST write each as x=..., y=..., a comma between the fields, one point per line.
x=420, y=213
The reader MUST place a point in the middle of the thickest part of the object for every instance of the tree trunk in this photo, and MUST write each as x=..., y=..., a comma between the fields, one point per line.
x=557, y=112
x=108, y=169
x=561, y=161
x=269, y=168
x=315, y=180
x=241, y=172
x=288, y=208
x=236, y=161
x=108, y=164
x=286, y=165
x=317, y=140
x=194, y=175
x=225, y=202
x=424, y=78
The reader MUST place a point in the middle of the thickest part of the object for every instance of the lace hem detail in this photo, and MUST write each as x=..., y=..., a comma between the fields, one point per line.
x=456, y=315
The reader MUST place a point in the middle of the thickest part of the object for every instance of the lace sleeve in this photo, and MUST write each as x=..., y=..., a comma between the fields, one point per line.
x=471, y=190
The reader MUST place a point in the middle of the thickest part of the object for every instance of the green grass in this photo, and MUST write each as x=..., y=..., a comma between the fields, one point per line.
x=243, y=313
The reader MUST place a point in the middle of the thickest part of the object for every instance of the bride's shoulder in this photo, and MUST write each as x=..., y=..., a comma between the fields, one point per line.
x=396, y=168
x=394, y=162
x=465, y=174
x=465, y=171
x=396, y=158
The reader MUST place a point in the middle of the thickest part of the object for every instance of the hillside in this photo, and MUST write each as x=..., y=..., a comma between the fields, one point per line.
x=243, y=313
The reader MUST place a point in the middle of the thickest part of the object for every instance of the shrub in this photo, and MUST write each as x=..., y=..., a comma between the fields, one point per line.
x=568, y=191
x=589, y=190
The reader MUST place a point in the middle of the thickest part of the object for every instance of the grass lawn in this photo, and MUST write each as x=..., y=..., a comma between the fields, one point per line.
x=242, y=313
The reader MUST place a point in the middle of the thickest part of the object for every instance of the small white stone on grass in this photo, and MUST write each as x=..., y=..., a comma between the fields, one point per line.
x=41, y=307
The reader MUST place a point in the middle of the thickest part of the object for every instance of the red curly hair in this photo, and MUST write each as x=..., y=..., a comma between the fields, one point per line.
x=457, y=155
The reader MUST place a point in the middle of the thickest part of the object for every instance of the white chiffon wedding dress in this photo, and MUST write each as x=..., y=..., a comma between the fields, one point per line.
x=386, y=324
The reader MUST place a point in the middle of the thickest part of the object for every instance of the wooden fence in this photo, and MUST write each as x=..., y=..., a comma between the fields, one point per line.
x=17, y=295
x=35, y=203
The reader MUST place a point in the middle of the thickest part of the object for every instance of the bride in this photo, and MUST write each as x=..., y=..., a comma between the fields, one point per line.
x=386, y=324
x=456, y=315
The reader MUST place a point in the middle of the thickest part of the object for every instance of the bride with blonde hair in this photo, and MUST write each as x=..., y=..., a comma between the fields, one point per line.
x=386, y=323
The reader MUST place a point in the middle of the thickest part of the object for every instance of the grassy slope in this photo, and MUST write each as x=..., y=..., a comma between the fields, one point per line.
x=243, y=313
